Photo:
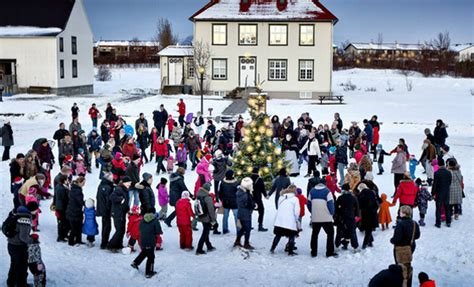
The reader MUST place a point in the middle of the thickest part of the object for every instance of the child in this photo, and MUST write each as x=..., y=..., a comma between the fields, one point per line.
x=332, y=159
x=324, y=159
x=184, y=215
x=181, y=156
x=331, y=183
x=118, y=167
x=425, y=280
x=421, y=200
x=384, y=212
x=32, y=200
x=81, y=168
x=380, y=156
x=302, y=200
x=15, y=189
x=435, y=165
x=35, y=263
x=170, y=124
x=170, y=164
x=90, y=227
x=163, y=198
x=149, y=229
x=133, y=231
x=413, y=164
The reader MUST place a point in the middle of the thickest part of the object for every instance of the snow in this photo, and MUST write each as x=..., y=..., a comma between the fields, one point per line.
x=390, y=46
x=125, y=43
x=445, y=254
x=460, y=47
x=11, y=31
x=181, y=51
x=230, y=9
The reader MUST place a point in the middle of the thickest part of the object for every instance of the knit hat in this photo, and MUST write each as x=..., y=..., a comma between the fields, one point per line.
x=34, y=236
x=22, y=210
x=332, y=149
x=68, y=158
x=208, y=157
x=207, y=186
x=135, y=209
x=126, y=179
x=18, y=180
x=205, y=150
x=229, y=174
x=32, y=190
x=118, y=155
x=89, y=203
x=247, y=184
x=299, y=191
x=146, y=176
x=218, y=153
x=185, y=194
x=180, y=146
x=362, y=186
x=79, y=158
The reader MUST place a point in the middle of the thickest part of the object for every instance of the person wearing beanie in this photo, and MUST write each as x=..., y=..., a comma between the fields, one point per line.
x=90, y=227
x=227, y=196
x=17, y=167
x=279, y=184
x=425, y=280
x=163, y=198
x=259, y=191
x=221, y=165
x=204, y=175
x=120, y=207
x=60, y=202
x=207, y=218
x=145, y=193
x=346, y=210
x=245, y=205
x=184, y=216
x=440, y=191
x=35, y=261
x=177, y=186
x=286, y=224
x=380, y=154
x=74, y=213
x=313, y=181
x=104, y=207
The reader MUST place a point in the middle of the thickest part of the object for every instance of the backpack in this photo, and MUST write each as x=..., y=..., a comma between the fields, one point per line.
x=199, y=208
x=9, y=225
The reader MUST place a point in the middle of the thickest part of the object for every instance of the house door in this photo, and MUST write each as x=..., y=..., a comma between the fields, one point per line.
x=175, y=71
x=248, y=71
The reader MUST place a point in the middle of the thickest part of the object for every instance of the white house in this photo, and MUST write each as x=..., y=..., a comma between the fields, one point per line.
x=464, y=52
x=286, y=45
x=46, y=46
x=177, y=68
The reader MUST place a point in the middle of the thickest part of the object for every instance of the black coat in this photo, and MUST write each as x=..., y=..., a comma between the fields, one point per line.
x=177, y=186
x=227, y=193
x=258, y=187
x=15, y=170
x=149, y=228
x=61, y=197
x=440, y=135
x=133, y=172
x=341, y=155
x=347, y=208
x=312, y=182
x=104, y=205
x=368, y=209
x=441, y=183
x=119, y=199
x=146, y=195
x=404, y=232
x=75, y=204
x=280, y=183
x=60, y=134
x=391, y=277
x=160, y=118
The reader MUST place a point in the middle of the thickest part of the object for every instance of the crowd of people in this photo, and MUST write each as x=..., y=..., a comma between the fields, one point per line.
x=341, y=193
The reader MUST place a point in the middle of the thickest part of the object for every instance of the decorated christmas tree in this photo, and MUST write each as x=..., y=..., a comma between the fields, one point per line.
x=256, y=148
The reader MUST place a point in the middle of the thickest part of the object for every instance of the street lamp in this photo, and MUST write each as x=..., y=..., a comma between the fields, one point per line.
x=201, y=71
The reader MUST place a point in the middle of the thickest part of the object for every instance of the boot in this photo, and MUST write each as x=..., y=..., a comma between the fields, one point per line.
x=248, y=246
x=421, y=222
x=237, y=243
x=262, y=229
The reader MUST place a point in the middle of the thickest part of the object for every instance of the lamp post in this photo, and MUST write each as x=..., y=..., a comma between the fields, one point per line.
x=201, y=71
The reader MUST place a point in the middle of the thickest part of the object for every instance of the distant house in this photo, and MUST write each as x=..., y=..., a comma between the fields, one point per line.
x=288, y=45
x=464, y=52
x=126, y=51
x=389, y=50
x=177, y=68
x=46, y=46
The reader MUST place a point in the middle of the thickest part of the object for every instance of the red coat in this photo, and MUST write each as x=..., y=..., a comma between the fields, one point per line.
x=170, y=123
x=430, y=283
x=406, y=192
x=184, y=212
x=376, y=136
x=332, y=163
x=93, y=112
x=129, y=150
x=331, y=183
x=182, y=109
x=133, y=230
x=302, y=201
x=161, y=149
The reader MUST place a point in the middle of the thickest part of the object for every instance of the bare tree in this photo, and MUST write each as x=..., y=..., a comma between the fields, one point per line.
x=201, y=60
x=164, y=34
x=380, y=39
x=441, y=42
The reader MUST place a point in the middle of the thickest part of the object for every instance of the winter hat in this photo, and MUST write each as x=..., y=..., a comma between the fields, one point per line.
x=79, y=158
x=108, y=176
x=185, y=194
x=89, y=203
x=379, y=147
x=299, y=191
x=34, y=236
x=332, y=149
x=247, y=184
x=135, y=209
x=118, y=155
x=22, y=210
x=383, y=196
x=369, y=176
x=126, y=179
x=31, y=190
x=18, y=180
x=68, y=158
x=218, y=153
x=229, y=174
x=146, y=176
x=362, y=186
x=207, y=186
x=208, y=157
x=180, y=146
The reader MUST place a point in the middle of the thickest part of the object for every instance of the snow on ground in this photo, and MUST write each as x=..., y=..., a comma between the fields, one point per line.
x=444, y=254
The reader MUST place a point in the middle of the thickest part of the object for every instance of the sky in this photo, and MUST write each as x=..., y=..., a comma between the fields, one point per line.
x=405, y=21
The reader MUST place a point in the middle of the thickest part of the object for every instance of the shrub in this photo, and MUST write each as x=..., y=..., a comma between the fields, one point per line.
x=103, y=74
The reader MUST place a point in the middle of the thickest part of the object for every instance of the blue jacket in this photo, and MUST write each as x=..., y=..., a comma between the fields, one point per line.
x=369, y=131
x=245, y=205
x=413, y=164
x=94, y=143
x=321, y=204
x=90, y=224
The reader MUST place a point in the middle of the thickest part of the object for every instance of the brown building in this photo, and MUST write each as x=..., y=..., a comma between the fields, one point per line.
x=117, y=52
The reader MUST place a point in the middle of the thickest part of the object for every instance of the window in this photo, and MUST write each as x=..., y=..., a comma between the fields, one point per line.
x=247, y=34
x=278, y=35
x=74, y=68
x=220, y=93
x=306, y=70
x=190, y=68
x=61, y=44
x=219, y=34
x=61, y=69
x=74, y=45
x=472, y=56
x=306, y=95
x=306, y=35
x=219, y=69
x=277, y=70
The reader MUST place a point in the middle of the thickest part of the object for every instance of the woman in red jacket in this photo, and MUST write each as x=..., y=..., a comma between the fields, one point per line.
x=160, y=148
x=406, y=191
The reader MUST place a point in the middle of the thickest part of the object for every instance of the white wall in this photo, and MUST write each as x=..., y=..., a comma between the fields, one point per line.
x=78, y=26
x=321, y=53
x=465, y=55
x=35, y=60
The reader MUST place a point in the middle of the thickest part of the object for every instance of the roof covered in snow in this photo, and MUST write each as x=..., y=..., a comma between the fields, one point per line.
x=264, y=10
x=125, y=43
x=460, y=47
x=177, y=51
x=46, y=14
x=23, y=31
x=388, y=46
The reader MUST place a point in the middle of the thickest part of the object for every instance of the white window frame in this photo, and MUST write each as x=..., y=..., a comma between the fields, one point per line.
x=219, y=69
x=278, y=35
x=245, y=35
x=306, y=95
x=306, y=70
x=305, y=34
x=277, y=69
x=191, y=68
x=219, y=35
x=220, y=93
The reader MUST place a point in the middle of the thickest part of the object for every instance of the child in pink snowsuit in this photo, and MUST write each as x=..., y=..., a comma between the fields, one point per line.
x=32, y=200
x=204, y=175
x=81, y=169
x=163, y=198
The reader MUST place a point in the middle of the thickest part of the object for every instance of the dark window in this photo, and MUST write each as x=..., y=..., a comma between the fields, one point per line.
x=74, y=45
x=61, y=44
x=74, y=68
x=61, y=68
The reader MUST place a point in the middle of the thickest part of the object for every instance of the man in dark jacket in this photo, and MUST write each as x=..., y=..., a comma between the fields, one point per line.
x=208, y=218
x=6, y=133
x=337, y=118
x=369, y=132
x=60, y=133
x=312, y=182
x=440, y=134
x=104, y=207
x=74, y=211
x=227, y=195
x=280, y=183
x=347, y=208
x=120, y=207
x=220, y=163
x=133, y=173
x=440, y=192
x=141, y=121
x=391, y=277
x=177, y=186
x=18, y=248
x=60, y=201
x=259, y=191
x=193, y=144
x=149, y=228
x=245, y=206
x=145, y=192
x=160, y=118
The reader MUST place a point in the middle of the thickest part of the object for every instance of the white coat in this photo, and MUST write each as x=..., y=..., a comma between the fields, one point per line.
x=288, y=212
x=313, y=148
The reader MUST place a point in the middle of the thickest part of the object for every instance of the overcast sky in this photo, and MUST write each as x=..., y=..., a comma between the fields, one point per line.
x=359, y=20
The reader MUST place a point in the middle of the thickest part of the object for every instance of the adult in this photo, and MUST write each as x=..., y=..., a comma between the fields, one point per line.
x=455, y=189
x=141, y=121
x=221, y=164
x=341, y=160
x=347, y=208
x=120, y=207
x=369, y=133
x=259, y=191
x=74, y=211
x=440, y=134
x=406, y=192
x=60, y=133
x=104, y=207
x=286, y=219
x=6, y=133
x=404, y=236
x=207, y=218
x=399, y=165
x=376, y=133
x=74, y=111
x=160, y=118
x=61, y=202
x=143, y=138
x=321, y=205
x=18, y=247
x=313, y=181
x=17, y=167
x=427, y=156
x=338, y=119
x=146, y=194
x=108, y=112
x=245, y=206
x=279, y=184
x=314, y=153
x=368, y=209
x=94, y=141
x=177, y=186
x=290, y=147
x=430, y=136
x=440, y=191
x=193, y=144
x=181, y=112
x=238, y=129
x=227, y=195
x=75, y=125
x=94, y=115
x=390, y=277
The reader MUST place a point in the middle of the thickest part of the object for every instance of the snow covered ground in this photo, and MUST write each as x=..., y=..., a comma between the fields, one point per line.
x=445, y=254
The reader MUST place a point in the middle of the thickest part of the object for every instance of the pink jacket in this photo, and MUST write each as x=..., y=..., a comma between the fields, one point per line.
x=163, y=197
x=81, y=168
x=202, y=169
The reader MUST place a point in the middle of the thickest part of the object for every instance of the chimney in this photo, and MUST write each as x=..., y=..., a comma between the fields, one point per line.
x=245, y=5
x=281, y=4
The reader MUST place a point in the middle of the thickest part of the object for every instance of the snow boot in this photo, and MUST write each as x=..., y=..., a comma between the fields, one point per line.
x=248, y=246
x=151, y=274
x=237, y=243
x=134, y=265
x=262, y=229
x=421, y=222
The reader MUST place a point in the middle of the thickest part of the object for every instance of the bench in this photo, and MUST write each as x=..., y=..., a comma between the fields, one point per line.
x=331, y=98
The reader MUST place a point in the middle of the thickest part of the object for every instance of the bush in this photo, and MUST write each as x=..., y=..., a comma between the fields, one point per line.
x=389, y=88
x=371, y=89
x=349, y=86
x=103, y=74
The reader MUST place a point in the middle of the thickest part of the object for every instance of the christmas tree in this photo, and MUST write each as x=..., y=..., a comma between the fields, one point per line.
x=256, y=148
